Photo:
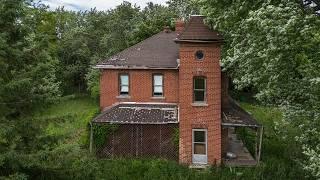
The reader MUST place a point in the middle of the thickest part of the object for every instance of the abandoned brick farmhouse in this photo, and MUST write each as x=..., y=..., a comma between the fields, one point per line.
x=168, y=98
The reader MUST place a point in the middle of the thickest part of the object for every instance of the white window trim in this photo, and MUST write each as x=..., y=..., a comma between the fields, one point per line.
x=206, y=141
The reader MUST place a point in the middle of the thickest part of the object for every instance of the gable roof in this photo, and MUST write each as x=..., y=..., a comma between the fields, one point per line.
x=197, y=30
x=157, y=52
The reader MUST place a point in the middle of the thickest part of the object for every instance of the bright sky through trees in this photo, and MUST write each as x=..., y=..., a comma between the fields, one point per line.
x=77, y=5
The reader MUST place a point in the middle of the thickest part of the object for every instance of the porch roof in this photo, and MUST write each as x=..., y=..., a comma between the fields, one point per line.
x=139, y=113
x=233, y=115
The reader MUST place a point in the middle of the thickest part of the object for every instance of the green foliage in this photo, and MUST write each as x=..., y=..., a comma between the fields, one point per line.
x=279, y=152
x=273, y=46
x=91, y=36
x=101, y=133
x=176, y=137
x=184, y=8
x=93, y=83
x=27, y=67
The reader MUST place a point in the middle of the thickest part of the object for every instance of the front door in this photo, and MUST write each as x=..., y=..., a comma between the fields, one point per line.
x=199, y=146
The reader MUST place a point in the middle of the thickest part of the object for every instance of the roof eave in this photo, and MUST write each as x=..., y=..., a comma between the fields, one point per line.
x=241, y=125
x=102, y=66
x=198, y=41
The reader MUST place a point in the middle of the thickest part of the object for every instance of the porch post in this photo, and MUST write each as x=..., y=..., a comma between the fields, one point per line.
x=91, y=138
x=256, y=145
x=260, y=143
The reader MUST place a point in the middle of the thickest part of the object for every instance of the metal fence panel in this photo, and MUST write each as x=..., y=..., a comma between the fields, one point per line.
x=141, y=141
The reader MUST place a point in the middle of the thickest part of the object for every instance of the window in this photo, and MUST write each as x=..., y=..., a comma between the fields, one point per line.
x=157, y=85
x=124, y=84
x=199, y=89
x=199, y=141
x=199, y=55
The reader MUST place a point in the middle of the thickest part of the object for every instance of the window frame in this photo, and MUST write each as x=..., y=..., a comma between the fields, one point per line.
x=205, y=131
x=196, y=57
x=204, y=90
x=153, y=84
x=120, y=85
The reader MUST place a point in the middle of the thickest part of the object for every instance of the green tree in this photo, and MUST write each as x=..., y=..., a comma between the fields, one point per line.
x=273, y=46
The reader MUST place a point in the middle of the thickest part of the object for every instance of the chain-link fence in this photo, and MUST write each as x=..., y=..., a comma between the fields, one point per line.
x=145, y=141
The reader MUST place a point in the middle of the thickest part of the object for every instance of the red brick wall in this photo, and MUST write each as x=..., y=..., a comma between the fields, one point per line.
x=140, y=86
x=205, y=117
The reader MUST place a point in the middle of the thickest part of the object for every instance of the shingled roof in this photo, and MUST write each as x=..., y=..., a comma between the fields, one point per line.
x=197, y=30
x=135, y=113
x=159, y=51
x=233, y=115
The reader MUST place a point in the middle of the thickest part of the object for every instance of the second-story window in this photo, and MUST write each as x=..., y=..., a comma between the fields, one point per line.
x=157, y=85
x=199, y=89
x=124, y=84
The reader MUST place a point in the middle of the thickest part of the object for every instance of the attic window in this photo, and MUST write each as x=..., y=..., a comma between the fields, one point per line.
x=199, y=55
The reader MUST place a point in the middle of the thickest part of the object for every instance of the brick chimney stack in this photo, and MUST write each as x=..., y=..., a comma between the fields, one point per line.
x=179, y=26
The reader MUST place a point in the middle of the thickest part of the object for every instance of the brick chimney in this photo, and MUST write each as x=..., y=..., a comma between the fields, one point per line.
x=179, y=26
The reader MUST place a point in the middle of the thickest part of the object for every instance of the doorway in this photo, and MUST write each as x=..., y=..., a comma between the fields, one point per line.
x=199, y=146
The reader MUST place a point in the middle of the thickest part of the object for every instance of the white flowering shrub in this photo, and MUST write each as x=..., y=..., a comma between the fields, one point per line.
x=274, y=46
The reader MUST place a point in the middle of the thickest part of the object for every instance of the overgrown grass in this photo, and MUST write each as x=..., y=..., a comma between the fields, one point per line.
x=70, y=117
x=278, y=155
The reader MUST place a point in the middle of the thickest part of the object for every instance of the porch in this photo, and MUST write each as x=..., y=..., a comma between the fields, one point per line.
x=234, y=151
x=142, y=130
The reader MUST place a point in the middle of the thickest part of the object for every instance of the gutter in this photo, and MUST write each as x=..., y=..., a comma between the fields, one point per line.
x=132, y=67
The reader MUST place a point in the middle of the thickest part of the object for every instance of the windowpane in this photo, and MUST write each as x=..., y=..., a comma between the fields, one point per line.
x=124, y=79
x=199, y=136
x=124, y=84
x=199, y=148
x=158, y=85
x=158, y=89
x=124, y=89
x=199, y=83
x=199, y=89
x=199, y=95
x=157, y=79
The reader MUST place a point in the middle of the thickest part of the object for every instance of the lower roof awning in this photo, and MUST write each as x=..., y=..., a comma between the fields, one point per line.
x=139, y=113
x=234, y=116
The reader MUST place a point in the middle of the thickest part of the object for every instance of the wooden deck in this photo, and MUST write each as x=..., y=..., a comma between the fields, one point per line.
x=235, y=145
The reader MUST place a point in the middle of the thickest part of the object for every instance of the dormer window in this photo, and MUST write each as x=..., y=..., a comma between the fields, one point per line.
x=199, y=55
x=157, y=85
x=124, y=84
x=199, y=89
